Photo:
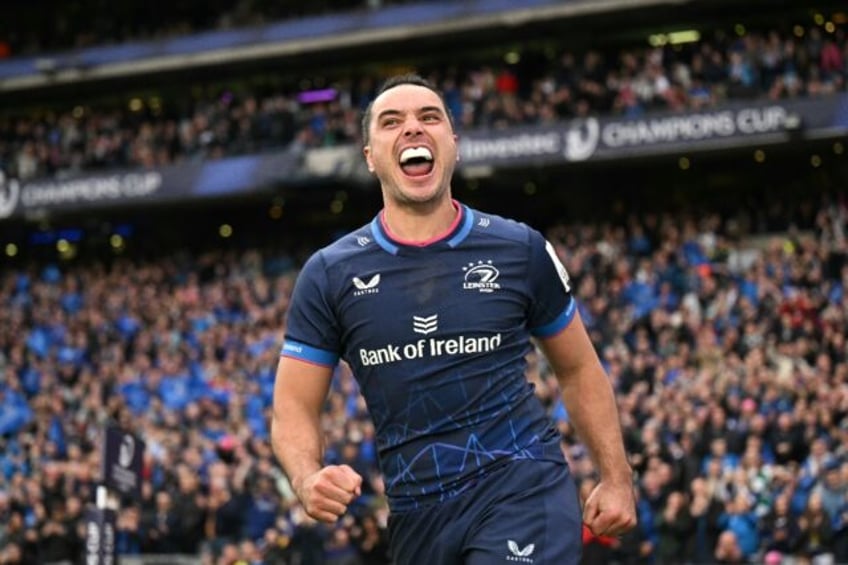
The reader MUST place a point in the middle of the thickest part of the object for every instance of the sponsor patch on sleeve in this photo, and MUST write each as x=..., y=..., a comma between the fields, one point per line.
x=560, y=268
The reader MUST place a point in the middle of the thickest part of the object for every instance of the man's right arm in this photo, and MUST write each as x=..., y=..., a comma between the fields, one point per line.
x=297, y=439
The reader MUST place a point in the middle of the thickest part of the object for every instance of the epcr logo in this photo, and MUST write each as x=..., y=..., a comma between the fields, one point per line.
x=10, y=190
x=126, y=451
x=581, y=139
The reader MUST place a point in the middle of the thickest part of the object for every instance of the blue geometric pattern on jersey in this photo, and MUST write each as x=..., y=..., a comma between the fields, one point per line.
x=437, y=337
x=469, y=443
x=559, y=324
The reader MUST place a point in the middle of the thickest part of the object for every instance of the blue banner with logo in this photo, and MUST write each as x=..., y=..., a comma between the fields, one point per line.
x=208, y=179
x=595, y=139
x=121, y=462
x=592, y=139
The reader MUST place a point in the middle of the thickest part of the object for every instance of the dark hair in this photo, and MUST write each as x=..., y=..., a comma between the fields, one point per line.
x=399, y=80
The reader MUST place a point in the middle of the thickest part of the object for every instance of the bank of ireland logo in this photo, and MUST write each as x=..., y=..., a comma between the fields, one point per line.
x=425, y=324
x=522, y=555
x=581, y=139
x=10, y=190
x=126, y=451
x=481, y=276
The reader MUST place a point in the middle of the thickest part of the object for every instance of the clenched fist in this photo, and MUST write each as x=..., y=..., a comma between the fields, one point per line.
x=610, y=509
x=326, y=493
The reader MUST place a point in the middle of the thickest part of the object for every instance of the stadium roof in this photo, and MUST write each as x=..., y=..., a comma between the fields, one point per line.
x=297, y=37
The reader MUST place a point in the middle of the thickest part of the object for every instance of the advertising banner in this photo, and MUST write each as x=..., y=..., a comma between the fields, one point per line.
x=592, y=139
x=208, y=179
x=100, y=536
x=605, y=138
x=121, y=462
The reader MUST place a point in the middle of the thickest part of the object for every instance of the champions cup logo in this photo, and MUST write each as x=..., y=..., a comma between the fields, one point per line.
x=126, y=452
x=581, y=139
x=9, y=193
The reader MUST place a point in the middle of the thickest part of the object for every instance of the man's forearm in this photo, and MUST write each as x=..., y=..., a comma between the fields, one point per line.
x=297, y=442
x=591, y=406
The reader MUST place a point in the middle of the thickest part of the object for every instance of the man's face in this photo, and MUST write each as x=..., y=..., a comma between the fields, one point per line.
x=412, y=146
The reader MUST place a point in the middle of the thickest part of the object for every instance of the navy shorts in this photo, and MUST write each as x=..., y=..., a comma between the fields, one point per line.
x=525, y=512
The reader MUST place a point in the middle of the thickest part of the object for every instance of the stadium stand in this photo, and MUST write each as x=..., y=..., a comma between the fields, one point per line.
x=762, y=65
x=711, y=277
x=84, y=23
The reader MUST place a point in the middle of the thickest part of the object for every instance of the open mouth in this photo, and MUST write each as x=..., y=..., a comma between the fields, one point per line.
x=416, y=161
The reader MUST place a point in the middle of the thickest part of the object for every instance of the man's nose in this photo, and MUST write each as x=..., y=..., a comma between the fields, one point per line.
x=412, y=126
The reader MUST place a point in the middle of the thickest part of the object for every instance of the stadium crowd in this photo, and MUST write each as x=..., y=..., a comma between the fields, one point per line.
x=244, y=119
x=728, y=352
x=79, y=24
x=728, y=357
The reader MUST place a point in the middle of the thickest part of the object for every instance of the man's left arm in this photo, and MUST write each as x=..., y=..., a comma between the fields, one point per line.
x=589, y=399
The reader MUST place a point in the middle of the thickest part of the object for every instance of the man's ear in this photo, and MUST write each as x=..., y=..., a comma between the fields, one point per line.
x=367, y=152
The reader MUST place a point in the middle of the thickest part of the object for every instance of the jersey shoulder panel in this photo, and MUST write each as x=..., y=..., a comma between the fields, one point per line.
x=352, y=243
x=492, y=225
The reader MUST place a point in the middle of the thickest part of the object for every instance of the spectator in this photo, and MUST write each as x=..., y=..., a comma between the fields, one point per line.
x=816, y=531
x=161, y=526
x=372, y=541
x=780, y=528
x=675, y=529
x=705, y=509
x=728, y=550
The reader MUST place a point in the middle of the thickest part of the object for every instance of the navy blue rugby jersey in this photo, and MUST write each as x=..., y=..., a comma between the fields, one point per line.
x=436, y=335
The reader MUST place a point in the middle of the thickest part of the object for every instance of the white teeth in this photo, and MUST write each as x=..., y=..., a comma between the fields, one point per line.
x=413, y=152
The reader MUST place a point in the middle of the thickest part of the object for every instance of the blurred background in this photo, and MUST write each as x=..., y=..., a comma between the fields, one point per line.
x=165, y=170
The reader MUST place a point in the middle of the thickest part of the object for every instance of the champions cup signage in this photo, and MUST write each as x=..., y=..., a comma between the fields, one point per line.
x=10, y=190
x=697, y=127
x=126, y=186
x=182, y=181
x=655, y=134
x=122, y=462
x=17, y=197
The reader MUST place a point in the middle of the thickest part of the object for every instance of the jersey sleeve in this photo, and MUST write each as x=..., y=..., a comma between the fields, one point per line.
x=552, y=305
x=312, y=332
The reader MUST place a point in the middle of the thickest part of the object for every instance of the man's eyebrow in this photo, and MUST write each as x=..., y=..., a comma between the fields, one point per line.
x=423, y=109
x=385, y=113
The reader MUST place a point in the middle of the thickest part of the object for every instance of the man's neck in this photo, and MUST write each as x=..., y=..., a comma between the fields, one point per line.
x=419, y=224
